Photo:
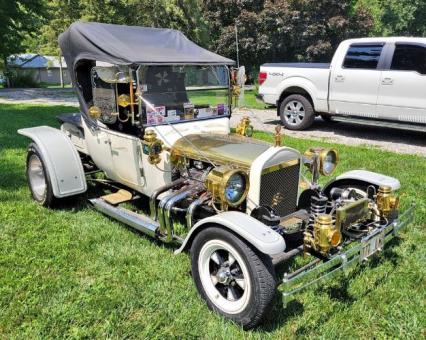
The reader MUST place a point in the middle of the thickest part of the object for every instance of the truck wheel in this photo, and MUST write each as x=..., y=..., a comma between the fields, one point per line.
x=234, y=280
x=38, y=178
x=296, y=112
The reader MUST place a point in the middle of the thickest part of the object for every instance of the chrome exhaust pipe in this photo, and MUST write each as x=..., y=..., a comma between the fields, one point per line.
x=191, y=210
x=159, y=191
x=137, y=221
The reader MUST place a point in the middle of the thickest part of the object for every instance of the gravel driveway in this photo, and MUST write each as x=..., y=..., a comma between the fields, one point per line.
x=400, y=141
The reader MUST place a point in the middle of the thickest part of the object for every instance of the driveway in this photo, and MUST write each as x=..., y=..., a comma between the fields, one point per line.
x=401, y=141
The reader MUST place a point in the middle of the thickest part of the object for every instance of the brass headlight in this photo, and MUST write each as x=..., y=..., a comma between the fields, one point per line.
x=321, y=160
x=328, y=161
x=229, y=186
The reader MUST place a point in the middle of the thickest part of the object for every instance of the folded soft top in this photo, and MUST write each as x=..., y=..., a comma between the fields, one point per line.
x=126, y=45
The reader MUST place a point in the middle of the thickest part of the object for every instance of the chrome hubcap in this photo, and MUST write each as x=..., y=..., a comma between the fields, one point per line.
x=294, y=112
x=224, y=276
x=37, y=177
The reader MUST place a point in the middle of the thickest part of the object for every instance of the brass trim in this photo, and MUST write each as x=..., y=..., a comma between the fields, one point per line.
x=280, y=166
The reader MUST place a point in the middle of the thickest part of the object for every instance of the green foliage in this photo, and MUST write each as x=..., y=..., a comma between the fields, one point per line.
x=21, y=77
x=277, y=30
x=74, y=273
x=18, y=19
x=397, y=17
x=184, y=15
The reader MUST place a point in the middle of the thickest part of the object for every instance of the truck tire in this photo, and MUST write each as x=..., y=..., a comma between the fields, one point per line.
x=38, y=178
x=232, y=277
x=297, y=112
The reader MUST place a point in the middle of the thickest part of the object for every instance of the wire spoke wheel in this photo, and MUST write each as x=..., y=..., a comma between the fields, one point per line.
x=224, y=276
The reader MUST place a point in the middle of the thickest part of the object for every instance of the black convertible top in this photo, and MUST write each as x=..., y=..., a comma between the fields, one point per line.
x=127, y=45
x=86, y=42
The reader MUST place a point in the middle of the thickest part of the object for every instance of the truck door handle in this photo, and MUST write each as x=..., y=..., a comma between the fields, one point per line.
x=339, y=78
x=387, y=81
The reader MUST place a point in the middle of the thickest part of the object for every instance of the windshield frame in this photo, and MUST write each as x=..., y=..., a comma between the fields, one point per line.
x=229, y=95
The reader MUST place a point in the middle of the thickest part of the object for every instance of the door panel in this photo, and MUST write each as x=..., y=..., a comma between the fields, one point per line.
x=402, y=90
x=354, y=85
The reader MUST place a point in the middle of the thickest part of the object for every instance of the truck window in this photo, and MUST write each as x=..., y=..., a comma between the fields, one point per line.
x=363, y=56
x=409, y=58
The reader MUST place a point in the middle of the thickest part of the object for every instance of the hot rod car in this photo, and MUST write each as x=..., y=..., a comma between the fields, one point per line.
x=154, y=130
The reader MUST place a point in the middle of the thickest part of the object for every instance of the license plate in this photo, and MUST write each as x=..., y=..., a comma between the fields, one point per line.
x=372, y=245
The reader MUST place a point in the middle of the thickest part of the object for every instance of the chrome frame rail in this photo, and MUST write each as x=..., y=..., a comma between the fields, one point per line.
x=313, y=272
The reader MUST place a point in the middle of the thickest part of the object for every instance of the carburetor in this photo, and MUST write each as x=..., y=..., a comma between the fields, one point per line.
x=386, y=201
x=324, y=235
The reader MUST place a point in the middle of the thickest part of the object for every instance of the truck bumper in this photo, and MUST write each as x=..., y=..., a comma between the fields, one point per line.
x=357, y=254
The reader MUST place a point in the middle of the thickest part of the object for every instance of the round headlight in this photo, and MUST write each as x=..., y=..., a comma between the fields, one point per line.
x=229, y=186
x=328, y=161
x=235, y=188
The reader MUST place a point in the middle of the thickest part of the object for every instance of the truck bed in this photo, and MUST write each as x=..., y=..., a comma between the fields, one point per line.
x=299, y=65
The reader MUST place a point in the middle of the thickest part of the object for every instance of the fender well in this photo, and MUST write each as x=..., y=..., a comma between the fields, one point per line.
x=263, y=238
x=61, y=159
x=293, y=90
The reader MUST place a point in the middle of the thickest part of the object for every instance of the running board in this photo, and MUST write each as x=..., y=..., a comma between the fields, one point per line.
x=379, y=123
x=139, y=222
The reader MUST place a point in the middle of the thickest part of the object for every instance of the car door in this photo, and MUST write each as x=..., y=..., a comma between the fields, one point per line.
x=402, y=89
x=354, y=84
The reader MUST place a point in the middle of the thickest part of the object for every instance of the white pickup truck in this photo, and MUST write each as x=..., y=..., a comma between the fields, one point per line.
x=375, y=81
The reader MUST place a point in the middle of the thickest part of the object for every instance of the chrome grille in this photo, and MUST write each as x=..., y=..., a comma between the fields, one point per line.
x=278, y=189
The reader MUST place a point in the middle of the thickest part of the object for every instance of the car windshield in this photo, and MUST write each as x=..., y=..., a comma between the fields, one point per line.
x=173, y=93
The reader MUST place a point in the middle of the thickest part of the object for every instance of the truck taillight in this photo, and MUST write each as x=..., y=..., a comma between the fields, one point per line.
x=262, y=77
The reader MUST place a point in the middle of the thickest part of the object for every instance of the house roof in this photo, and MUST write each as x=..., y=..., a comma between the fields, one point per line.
x=31, y=60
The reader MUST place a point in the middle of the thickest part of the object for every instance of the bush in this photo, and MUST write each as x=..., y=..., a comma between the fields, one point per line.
x=21, y=78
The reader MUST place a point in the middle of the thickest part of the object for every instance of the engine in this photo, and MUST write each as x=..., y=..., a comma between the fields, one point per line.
x=347, y=214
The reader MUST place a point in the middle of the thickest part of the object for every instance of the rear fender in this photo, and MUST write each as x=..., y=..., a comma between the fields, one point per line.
x=61, y=159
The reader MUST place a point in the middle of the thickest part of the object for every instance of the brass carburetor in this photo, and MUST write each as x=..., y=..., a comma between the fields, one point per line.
x=325, y=235
x=386, y=200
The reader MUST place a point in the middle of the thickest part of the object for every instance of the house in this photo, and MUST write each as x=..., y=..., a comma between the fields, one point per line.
x=45, y=69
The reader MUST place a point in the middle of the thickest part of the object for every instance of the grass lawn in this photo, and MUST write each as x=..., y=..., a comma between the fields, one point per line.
x=73, y=272
x=219, y=97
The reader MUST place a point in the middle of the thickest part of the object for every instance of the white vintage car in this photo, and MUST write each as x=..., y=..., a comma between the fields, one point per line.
x=154, y=137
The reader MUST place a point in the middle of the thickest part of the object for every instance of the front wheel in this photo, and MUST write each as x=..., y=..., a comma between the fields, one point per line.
x=297, y=112
x=234, y=279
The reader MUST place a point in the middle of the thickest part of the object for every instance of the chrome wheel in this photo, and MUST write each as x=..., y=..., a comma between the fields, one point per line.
x=294, y=112
x=37, y=177
x=224, y=276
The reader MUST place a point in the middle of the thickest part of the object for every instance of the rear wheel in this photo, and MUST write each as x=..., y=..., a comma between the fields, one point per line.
x=297, y=112
x=38, y=178
x=232, y=277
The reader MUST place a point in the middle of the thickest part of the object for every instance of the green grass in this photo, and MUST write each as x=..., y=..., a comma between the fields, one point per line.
x=215, y=97
x=72, y=272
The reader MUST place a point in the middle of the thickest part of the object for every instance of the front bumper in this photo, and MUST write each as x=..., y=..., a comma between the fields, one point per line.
x=318, y=270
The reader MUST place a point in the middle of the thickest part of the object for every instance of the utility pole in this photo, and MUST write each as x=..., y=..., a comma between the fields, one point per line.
x=61, y=75
x=236, y=43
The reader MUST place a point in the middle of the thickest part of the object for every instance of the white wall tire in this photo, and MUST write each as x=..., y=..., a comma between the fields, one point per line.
x=231, y=276
x=38, y=178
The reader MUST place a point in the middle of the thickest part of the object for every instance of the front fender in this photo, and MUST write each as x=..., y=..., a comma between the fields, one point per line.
x=262, y=237
x=361, y=177
x=61, y=159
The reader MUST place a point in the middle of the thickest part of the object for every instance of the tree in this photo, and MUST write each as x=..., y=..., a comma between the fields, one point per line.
x=18, y=19
x=276, y=30
x=397, y=17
